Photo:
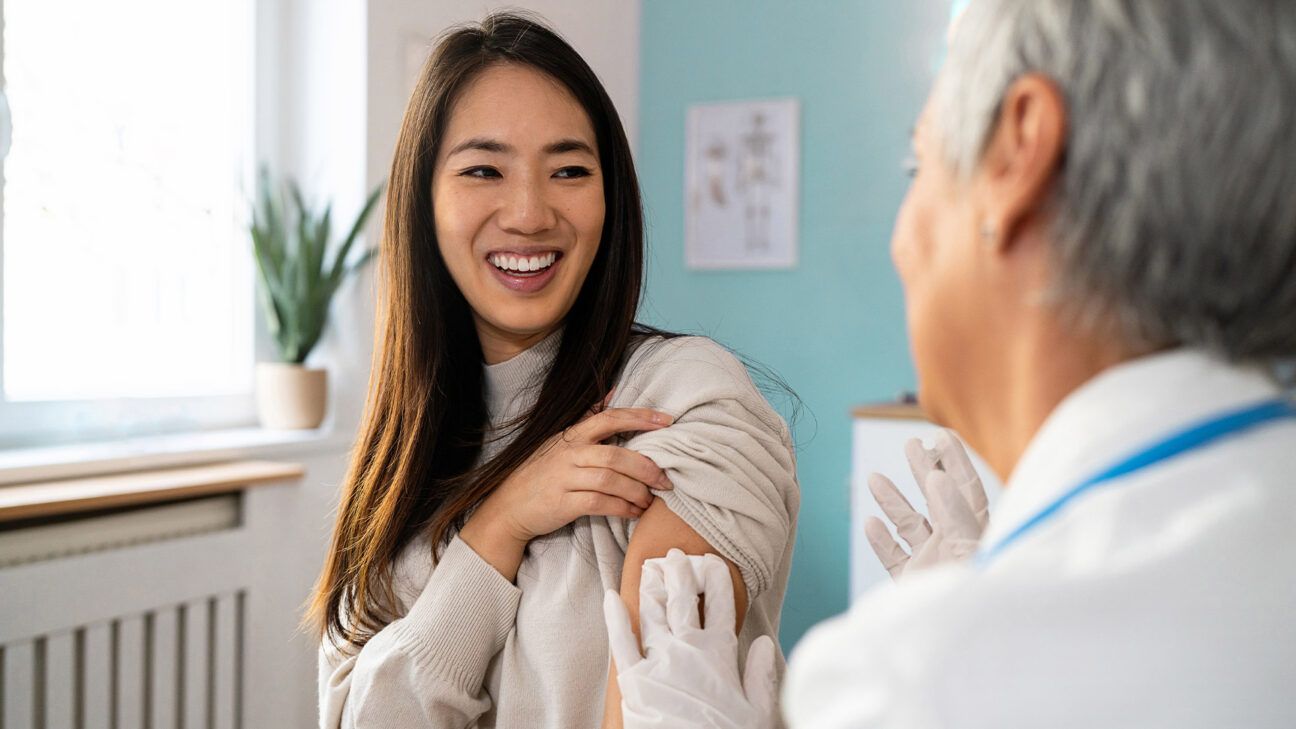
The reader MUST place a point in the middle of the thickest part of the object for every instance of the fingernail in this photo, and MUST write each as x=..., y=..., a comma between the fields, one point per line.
x=663, y=418
x=664, y=484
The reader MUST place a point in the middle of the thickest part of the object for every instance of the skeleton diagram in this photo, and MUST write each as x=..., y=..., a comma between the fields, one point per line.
x=757, y=181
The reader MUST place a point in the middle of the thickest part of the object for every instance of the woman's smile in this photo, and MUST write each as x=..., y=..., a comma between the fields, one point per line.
x=524, y=272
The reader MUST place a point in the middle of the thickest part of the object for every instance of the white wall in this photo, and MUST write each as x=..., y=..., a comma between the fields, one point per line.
x=335, y=78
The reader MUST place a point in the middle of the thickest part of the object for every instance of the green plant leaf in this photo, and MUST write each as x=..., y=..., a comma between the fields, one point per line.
x=323, y=231
x=266, y=292
x=291, y=245
x=278, y=225
x=302, y=254
x=268, y=281
x=268, y=223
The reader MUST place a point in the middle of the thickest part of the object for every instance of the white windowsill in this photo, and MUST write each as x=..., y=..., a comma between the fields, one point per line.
x=26, y=465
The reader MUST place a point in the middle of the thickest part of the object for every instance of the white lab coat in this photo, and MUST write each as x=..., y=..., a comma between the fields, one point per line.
x=1166, y=598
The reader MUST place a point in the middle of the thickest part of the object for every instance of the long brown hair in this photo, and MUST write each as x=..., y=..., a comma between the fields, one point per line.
x=414, y=469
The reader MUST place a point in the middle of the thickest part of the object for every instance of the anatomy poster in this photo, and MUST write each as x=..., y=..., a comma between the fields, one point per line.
x=742, y=167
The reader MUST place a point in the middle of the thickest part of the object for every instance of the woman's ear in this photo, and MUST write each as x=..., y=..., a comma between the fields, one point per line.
x=1023, y=157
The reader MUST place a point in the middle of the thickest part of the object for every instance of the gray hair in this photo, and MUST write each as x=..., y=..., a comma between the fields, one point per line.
x=1175, y=208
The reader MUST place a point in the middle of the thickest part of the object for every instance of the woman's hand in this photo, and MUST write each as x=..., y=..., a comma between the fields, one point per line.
x=573, y=475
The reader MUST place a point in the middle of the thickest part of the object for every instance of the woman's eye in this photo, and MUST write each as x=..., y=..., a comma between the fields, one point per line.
x=910, y=166
x=481, y=172
x=571, y=173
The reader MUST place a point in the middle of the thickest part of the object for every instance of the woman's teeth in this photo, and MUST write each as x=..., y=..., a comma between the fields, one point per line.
x=523, y=264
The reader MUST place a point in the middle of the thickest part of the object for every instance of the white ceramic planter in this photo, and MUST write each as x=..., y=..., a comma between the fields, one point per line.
x=290, y=396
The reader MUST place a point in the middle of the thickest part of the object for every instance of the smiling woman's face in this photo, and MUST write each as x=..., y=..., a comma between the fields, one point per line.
x=518, y=203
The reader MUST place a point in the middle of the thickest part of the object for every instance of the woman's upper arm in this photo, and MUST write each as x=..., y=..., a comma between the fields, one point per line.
x=728, y=454
x=730, y=458
x=659, y=531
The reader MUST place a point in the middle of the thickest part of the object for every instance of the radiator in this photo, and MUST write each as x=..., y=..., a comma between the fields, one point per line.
x=174, y=666
x=130, y=620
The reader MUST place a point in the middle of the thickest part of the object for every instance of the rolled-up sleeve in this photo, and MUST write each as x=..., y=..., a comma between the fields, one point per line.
x=728, y=454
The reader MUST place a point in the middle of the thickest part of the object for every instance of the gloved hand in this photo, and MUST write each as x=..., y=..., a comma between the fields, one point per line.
x=955, y=497
x=688, y=678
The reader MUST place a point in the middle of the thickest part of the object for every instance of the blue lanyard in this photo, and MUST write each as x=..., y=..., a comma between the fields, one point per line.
x=1198, y=436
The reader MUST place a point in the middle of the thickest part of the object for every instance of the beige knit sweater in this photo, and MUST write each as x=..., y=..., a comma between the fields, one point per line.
x=474, y=649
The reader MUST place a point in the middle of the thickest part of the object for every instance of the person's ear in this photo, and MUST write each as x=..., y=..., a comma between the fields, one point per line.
x=1022, y=159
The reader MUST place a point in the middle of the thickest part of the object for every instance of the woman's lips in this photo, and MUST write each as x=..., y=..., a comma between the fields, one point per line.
x=526, y=283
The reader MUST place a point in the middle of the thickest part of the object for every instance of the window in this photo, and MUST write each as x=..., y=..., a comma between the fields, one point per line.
x=128, y=299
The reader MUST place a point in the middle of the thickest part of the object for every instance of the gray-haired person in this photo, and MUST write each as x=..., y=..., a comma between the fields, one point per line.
x=1099, y=260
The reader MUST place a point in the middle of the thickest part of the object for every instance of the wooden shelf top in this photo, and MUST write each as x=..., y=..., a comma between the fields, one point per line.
x=889, y=411
x=52, y=498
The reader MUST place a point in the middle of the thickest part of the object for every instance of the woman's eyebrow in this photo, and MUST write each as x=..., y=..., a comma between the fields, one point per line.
x=481, y=144
x=568, y=145
x=484, y=144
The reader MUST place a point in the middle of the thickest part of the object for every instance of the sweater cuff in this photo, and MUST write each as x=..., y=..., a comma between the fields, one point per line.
x=461, y=619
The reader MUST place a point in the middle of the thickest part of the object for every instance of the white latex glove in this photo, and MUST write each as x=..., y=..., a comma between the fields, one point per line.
x=955, y=497
x=688, y=678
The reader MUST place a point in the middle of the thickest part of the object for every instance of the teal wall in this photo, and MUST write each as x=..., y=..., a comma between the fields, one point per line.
x=833, y=328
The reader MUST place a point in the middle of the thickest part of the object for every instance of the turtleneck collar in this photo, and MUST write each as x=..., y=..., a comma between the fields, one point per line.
x=512, y=385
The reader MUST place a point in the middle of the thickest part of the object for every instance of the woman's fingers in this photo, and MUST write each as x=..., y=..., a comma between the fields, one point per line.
x=601, y=426
x=612, y=484
x=623, y=461
x=592, y=503
x=571, y=477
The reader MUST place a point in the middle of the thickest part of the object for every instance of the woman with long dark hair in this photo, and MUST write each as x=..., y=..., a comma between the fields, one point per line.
x=527, y=445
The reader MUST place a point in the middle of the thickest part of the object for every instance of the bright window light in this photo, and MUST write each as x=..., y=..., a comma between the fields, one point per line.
x=126, y=266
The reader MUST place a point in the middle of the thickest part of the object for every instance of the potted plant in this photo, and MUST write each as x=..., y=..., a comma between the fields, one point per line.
x=299, y=275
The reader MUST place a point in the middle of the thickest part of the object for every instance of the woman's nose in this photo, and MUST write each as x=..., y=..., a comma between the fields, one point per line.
x=526, y=210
